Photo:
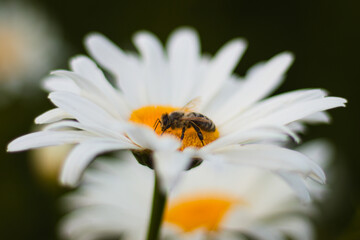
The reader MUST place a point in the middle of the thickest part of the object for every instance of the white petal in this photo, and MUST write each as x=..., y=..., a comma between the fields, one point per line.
x=319, y=117
x=295, y=227
x=57, y=83
x=297, y=184
x=183, y=52
x=284, y=108
x=153, y=58
x=110, y=56
x=102, y=131
x=146, y=138
x=91, y=223
x=259, y=83
x=221, y=68
x=228, y=89
x=271, y=105
x=52, y=115
x=297, y=127
x=270, y=133
x=83, y=154
x=264, y=232
x=88, y=70
x=273, y=158
x=47, y=138
x=301, y=110
x=169, y=165
x=90, y=90
x=125, y=67
x=83, y=84
x=321, y=151
x=63, y=125
x=84, y=111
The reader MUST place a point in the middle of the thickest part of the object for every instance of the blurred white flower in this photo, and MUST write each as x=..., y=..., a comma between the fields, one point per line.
x=30, y=46
x=115, y=199
x=100, y=118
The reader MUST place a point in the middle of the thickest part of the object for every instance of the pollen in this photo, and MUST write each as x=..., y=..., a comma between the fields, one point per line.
x=150, y=114
x=200, y=211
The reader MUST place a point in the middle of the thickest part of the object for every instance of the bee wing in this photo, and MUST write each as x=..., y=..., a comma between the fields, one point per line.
x=191, y=105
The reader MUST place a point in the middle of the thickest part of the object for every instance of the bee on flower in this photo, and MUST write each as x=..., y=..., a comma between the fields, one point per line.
x=236, y=122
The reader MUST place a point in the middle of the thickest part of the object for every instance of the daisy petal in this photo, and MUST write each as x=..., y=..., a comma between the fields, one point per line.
x=96, y=130
x=319, y=117
x=229, y=88
x=56, y=83
x=302, y=110
x=276, y=106
x=83, y=154
x=183, y=52
x=52, y=115
x=273, y=158
x=97, y=222
x=88, y=70
x=84, y=110
x=147, y=139
x=93, y=92
x=297, y=184
x=221, y=67
x=295, y=227
x=259, y=82
x=110, y=56
x=319, y=150
x=155, y=67
x=169, y=166
x=264, y=232
x=46, y=138
x=270, y=133
x=125, y=67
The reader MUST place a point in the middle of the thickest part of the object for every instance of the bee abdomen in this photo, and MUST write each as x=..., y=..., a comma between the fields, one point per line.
x=207, y=125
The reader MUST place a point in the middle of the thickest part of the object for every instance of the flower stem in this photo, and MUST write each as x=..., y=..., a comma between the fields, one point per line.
x=157, y=212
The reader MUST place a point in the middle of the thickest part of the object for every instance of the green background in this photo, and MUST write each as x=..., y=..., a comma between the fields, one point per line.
x=323, y=35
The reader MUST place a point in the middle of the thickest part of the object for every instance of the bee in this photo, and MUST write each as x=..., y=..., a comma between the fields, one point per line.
x=185, y=118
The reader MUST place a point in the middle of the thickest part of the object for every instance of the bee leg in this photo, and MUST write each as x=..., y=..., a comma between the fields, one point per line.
x=165, y=129
x=183, y=133
x=198, y=131
x=157, y=122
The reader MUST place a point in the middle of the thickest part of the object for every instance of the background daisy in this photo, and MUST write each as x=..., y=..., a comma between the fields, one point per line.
x=116, y=196
x=30, y=45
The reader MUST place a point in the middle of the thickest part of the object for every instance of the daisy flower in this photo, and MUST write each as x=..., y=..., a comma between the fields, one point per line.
x=207, y=204
x=232, y=121
x=30, y=46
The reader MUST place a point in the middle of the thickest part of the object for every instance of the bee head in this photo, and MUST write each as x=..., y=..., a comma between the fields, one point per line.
x=165, y=121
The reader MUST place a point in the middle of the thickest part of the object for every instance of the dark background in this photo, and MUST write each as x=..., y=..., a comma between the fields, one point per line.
x=323, y=35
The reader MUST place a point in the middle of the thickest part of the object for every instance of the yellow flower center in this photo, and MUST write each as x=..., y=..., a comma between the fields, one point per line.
x=200, y=211
x=150, y=114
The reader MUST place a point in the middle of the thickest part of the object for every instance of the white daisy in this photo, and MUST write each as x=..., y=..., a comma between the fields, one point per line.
x=30, y=46
x=116, y=196
x=100, y=117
